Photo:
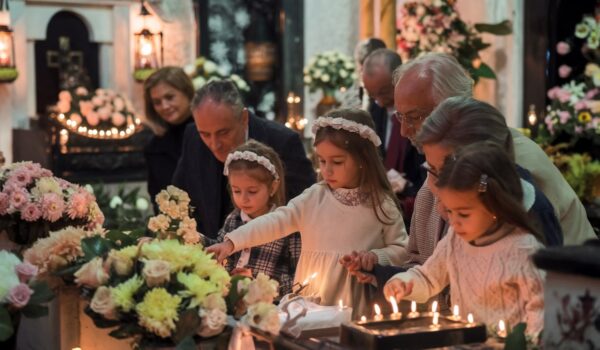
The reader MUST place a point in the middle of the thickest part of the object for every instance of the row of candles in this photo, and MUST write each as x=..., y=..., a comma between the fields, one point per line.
x=396, y=315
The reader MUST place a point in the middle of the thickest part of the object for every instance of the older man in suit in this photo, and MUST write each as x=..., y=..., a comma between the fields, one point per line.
x=221, y=124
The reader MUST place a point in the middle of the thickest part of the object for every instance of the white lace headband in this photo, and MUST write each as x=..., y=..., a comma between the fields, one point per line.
x=340, y=123
x=251, y=157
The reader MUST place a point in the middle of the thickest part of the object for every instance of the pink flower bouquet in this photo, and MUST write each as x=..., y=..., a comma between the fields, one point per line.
x=33, y=202
x=20, y=292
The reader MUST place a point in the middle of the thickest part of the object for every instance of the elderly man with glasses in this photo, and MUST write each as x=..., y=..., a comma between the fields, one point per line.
x=401, y=158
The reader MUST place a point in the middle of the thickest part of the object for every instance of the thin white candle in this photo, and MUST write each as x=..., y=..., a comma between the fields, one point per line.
x=413, y=310
x=395, y=314
x=455, y=313
x=436, y=319
x=501, y=329
x=470, y=318
x=341, y=304
x=434, y=307
x=378, y=316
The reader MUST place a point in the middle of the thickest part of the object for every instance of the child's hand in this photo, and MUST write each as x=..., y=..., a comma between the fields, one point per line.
x=242, y=271
x=363, y=277
x=221, y=250
x=368, y=260
x=351, y=262
x=397, y=288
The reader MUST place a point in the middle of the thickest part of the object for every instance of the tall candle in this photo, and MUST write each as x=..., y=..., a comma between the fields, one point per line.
x=435, y=322
x=455, y=313
x=470, y=318
x=434, y=307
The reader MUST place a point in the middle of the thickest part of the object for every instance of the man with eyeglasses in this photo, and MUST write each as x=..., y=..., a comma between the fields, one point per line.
x=401, y=158
x=221, y=123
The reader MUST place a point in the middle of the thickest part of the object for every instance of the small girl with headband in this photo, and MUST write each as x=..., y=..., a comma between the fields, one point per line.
x=486, y=255
x=256, y=181
x=353, y=208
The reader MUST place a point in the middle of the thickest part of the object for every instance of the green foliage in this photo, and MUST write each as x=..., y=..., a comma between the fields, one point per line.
x=126, y=210
x=516, y=339
x=6, y=326
x=581, y=172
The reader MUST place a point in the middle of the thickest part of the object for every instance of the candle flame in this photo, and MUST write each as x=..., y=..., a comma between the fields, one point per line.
x=341, y=303
x=501, y=326
x=470, y=318
x=363, y=318
x=377, y=310
x=394, y=304
x=413, y=306
x=435, y=320
x=455, y=311
x=434, y=306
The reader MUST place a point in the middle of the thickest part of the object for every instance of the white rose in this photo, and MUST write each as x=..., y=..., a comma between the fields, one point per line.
x=264, y=316
x=261, y=289
x=325, y=78
x=115, y=202
x=213, y=322
x=156, y=272
x=343, y=73
x=198, y=82
x=317, y=73
x=141, y=204
x=103, y=304
x=307, y=80
x=122, y=263
x=92, y=274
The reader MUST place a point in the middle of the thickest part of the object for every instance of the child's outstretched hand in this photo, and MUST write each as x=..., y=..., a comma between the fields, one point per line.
x=397, y=288
x=351, y=262
x=221, y=250
x=363, y=260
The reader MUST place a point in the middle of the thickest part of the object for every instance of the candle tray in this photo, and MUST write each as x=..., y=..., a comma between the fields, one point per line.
x=410, y=333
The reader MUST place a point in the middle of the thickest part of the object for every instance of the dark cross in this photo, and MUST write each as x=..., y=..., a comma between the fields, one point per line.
x=69, y=63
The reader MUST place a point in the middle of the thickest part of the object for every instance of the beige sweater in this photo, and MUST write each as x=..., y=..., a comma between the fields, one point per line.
x=569, y=210
x=329, y=230
x=493, y=282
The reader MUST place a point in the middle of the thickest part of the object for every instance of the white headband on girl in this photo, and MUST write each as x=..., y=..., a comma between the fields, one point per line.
x=340, y=123
x=251, y=157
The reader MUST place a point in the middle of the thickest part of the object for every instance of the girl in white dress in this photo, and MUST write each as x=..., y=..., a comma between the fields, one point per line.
x=352, y=209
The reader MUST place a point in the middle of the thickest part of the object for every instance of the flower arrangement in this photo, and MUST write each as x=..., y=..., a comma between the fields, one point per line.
x=102, y=113
x=570, y=130
x=174, y=221
x=33, y=202
x=166, y=292
x=329, y=71
x=20, y=293
x=435, y=26
x=204, y=70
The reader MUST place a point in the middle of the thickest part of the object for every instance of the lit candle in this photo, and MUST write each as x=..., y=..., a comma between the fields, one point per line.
x=435, y=322
x=395, y=314
x=378, y=315
x=455, y=314
x=434, y=307
x=501, y=329
x=363, y=318
x=470, y=319
x=341, y=304
x=413, y=310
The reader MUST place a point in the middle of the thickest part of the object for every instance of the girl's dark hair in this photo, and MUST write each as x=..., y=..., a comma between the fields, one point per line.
x=259, y=172
x=173, y=76
x=372, y=175
x=487, y=168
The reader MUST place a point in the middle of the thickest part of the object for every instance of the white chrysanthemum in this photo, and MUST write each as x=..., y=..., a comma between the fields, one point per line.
x=46, y=185
x=242, y=19
x=218, y=50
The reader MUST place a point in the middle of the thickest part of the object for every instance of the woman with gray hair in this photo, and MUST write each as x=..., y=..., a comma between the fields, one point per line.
x=461, y=121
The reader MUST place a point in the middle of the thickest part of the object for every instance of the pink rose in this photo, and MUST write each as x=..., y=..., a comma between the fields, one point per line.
x=52, y=206
x=19, y=295
x=578, y=129
x=564, y=116
x=563, y=48
x=26, y=271
x=564, y=71
x=92, y=274
x=64, y=95
x=104, y=113
x=563, y=96
x=581, y=104
x=85, y=107
x=3, y=203
x=118, y=119
x=92, y=118
x=63, y=106
x=553, y=93
x=97, y=101
x=31, y=212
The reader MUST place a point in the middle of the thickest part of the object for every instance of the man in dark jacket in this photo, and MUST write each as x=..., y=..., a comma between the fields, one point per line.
x=221, y=124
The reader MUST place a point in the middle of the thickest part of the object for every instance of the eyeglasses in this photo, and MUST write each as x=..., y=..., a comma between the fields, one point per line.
x=429, y=169
x=412, y=118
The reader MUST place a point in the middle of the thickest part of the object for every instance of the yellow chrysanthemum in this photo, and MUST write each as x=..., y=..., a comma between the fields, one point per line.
x=158, y=311
x=178, y=255
x=197, y=288
x=584, y=117
x=123, y=293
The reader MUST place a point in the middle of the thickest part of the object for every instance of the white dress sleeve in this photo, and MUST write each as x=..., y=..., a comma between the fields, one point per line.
x=395, y=240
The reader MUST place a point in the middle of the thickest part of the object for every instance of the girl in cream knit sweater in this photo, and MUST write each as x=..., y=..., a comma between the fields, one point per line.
x=485, y=257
